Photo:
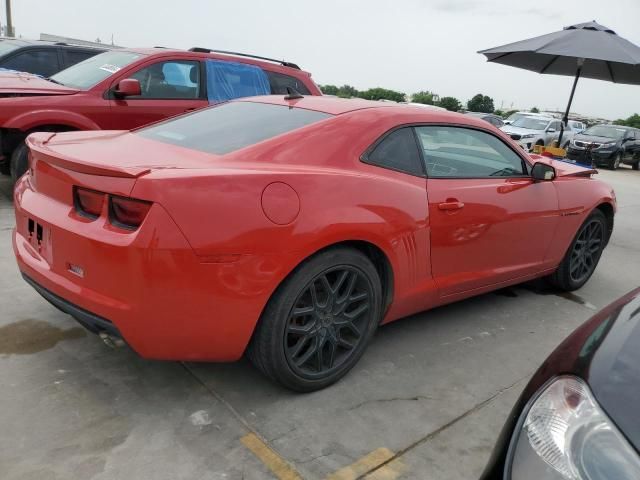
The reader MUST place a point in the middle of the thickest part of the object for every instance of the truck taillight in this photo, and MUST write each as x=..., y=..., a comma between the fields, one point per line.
x=127, y=213
x=88, y=203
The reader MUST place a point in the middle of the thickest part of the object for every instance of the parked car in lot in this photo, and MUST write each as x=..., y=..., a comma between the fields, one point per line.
x=518, y=115
x=493, y=119
x=577, y=419
x=41, y=57
x=127, y=88
x=538, y=130
x=577, y=126
x=608, y=145
x=294, y=227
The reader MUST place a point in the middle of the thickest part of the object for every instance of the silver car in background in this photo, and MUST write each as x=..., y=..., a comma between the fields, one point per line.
x=538, y=130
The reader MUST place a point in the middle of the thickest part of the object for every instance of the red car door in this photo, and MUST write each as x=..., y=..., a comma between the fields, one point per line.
x=168, y=87
x=490, y=222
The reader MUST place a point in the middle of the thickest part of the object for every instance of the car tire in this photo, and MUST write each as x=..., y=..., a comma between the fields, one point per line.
x=583, y=255
x=616, y=161
x=636, y=165
x=19, y=161
x=318, y=323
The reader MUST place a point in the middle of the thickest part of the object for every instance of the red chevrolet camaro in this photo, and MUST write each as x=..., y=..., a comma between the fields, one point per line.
x=292, y=227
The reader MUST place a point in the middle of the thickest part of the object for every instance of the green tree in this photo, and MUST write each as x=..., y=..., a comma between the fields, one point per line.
x=347, y=91
x=329, y=89
x=632, y=121
x=500, y=113
x=480, y=103
x=382, y=94
x=535, y=110
x=508, y=113
x=425, y=97
x=450, y=103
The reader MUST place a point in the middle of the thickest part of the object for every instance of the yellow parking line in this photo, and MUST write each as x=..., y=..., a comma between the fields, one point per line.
x=280, y=468
x=368, y=463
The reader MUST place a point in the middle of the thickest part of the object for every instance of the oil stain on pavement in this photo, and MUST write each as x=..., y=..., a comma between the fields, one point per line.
x=33, y=336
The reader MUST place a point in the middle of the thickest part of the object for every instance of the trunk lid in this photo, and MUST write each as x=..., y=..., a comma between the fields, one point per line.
x=28, y=84
x=107, y=161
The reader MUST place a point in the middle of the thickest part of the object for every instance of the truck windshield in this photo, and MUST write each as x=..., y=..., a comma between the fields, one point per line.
x=92, y=71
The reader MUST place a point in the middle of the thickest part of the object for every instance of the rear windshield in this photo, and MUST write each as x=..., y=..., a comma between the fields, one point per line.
x=231, y=126
x=92, y=71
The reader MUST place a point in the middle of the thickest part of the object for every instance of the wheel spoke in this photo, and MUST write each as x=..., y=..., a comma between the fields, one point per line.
x=297, y=348
x=302, y=311
x=308, y=354
x=357, y=312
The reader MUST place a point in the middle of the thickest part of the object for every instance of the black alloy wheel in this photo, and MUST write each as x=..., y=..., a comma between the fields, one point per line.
x=328, y=320
x=583, y=255
x=318, y=323
x=586, y=251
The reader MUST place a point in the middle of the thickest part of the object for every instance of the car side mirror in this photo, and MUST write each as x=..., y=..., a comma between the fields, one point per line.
x=128, y=87
x=541, y=172
x=625, y=139
x=551, y=130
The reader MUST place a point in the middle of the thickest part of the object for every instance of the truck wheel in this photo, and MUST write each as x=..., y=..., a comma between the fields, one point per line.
x=19, y=161
x=636, y=166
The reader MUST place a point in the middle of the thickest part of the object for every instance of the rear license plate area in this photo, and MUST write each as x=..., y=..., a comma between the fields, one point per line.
x=39, y=237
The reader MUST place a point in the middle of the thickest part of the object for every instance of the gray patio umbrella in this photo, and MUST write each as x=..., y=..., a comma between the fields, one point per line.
x=586, y=50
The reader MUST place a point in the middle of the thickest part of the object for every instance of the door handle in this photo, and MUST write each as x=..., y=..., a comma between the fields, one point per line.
x=450, y=205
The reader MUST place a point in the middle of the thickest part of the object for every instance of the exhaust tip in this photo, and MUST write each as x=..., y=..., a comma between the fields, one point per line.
x=111, y=341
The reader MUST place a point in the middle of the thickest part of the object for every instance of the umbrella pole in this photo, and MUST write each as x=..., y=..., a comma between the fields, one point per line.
x=565, y=120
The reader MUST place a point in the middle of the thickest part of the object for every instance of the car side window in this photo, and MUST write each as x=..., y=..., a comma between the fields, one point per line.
x=77, y=56
x=458, y=152
x=397, y=151
x=279, y=83
x=169, y=80
x=496, y=122
x=40, y=62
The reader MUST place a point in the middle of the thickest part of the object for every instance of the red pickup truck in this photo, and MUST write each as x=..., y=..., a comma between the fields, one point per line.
x=127, y=88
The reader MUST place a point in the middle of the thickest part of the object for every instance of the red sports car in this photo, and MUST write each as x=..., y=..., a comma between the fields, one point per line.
x=292, y=227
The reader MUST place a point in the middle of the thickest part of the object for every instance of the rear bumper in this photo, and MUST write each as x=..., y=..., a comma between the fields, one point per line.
x=147, y=286
x=90, y=321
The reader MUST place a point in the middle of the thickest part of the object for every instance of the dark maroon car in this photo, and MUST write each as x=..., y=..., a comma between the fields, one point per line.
x=578, y=417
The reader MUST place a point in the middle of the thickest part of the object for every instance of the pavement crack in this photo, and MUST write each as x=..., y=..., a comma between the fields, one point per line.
x=415, y=398
x=444, y=427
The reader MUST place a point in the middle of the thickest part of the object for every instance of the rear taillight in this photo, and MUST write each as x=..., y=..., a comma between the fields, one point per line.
x=88, y=203
x=126, y=212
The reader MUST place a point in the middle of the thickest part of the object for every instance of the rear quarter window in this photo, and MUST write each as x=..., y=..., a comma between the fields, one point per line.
x=231, y=126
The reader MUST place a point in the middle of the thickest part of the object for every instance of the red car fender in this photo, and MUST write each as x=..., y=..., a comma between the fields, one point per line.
x=35, y=118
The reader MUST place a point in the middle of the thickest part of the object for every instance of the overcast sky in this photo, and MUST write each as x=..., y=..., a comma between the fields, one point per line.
x=406, y=45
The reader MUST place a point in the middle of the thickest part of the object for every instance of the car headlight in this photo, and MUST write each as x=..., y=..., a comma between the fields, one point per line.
x=528, y=135
x=566, y=436
x=608, y=145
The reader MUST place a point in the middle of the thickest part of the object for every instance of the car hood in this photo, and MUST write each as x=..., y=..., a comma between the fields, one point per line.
x=565, y=169
x=604, y=351
x=28, y=84
x=520, y=130
x=594, y=138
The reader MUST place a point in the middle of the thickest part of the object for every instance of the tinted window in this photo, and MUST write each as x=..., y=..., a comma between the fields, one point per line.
x=556, y=125
x=77, y=56
x=231, y=126
x=279, y=83
x=92, y=71
x=40, y=62
x=398, y=151
x=229, y=80
x=167, y=80
x=495, y=121
x=465, y=153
